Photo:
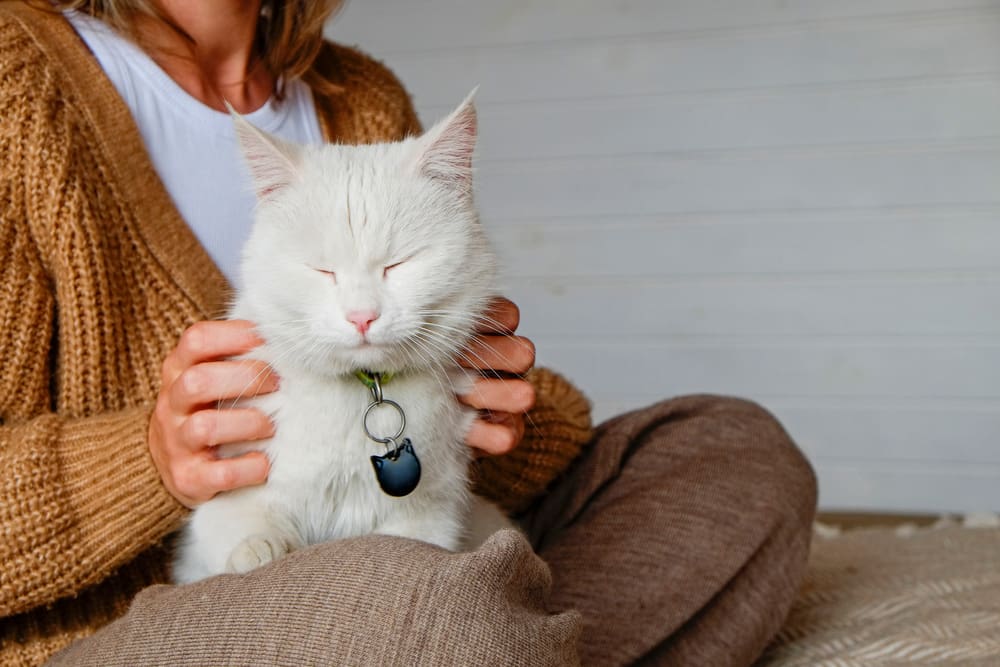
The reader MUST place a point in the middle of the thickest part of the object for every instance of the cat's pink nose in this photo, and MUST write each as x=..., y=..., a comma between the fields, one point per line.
x=362, y=319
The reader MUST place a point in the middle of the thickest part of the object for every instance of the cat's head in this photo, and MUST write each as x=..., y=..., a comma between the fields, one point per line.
x=366, y=257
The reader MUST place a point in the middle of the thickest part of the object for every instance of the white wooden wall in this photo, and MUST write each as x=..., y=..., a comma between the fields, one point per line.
x=793, y=201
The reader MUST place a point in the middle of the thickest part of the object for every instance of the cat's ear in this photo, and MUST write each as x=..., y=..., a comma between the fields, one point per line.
x=273, y=163
x=445, y=151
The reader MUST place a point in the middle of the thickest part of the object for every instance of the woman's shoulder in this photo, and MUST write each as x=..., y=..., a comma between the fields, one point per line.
x=368, y=102
x=30, y=28
x=349, y=66
x=22, y=30
x=29, y=90
x=32, y=39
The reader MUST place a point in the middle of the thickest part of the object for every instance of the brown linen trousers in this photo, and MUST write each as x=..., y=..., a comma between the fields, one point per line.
x=678, y=538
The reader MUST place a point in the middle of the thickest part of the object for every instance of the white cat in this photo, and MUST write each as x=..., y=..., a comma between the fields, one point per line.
x=362, y=258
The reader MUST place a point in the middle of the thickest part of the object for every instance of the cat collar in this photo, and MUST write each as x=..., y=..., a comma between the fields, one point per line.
x=398, y=470
x=372, y=380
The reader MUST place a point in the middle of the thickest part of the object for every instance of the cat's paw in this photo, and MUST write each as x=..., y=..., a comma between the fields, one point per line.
x=255, y=551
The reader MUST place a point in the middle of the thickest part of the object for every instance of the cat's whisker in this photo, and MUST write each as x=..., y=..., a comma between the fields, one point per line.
x=268, y=370
x=443, y=352
x=527, y=415
x=474, y=388
x=429, y=340
x=479, y=357
x=280, y=351
x=478, y=320
x=408, y=354
x=442, y=372
x=444, y=347
x=423, y=345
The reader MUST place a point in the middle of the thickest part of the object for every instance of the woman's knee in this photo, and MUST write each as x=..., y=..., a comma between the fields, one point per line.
x=737, y=439
x=757, y=433
x=771, y=445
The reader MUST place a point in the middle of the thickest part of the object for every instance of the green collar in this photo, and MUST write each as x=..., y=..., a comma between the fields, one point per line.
x=368, y=378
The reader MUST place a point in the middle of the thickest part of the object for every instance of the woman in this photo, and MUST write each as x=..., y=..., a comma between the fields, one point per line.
x=678, y=534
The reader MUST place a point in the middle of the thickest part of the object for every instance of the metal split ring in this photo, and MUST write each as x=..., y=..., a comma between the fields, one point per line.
x=376, y=388
x=392, y=449
x=402, y=422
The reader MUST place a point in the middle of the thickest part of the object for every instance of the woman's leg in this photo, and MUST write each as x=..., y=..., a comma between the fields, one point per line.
x=369, y=601
x=681, y=534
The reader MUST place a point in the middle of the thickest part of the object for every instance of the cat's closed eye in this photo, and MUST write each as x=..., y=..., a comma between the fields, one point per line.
x=332, y=274
x=386, y=270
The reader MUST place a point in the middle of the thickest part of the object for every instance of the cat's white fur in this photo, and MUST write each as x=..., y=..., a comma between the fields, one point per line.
x=354, y=211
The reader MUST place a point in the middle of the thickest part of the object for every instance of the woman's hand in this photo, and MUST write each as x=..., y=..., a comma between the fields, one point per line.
x=501, y=397
x=186, y=424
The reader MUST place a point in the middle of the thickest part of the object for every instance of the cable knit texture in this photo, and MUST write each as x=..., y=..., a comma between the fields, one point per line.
x=556, y=430
x=98, y=278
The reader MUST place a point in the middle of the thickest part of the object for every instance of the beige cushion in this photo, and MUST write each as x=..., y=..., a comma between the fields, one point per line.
x=368, y=601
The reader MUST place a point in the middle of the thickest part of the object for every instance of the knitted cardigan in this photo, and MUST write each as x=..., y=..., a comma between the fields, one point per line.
x=99, y=275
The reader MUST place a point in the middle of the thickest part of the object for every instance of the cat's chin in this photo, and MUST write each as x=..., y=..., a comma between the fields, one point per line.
x=345, y=361
x=374, y=357
x=371, y=356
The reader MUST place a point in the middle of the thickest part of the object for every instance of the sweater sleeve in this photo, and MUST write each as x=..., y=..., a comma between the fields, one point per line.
x=79, y=496
x=78, y=499
x=556, y=431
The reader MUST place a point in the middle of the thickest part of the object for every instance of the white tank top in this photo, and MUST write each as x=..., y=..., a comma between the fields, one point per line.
x=193, y=147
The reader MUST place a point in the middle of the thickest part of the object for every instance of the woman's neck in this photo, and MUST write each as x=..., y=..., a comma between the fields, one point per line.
x=218, y=64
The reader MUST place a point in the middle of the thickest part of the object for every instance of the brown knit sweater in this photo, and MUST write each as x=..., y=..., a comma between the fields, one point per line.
x=98, y=277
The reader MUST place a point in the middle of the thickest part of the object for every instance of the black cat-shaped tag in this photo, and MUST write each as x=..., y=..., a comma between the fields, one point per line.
x=398, y=472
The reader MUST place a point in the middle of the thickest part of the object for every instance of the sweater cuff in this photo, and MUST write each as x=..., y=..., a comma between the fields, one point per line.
x=85, y=499
x=118, y=502
x=556, y=431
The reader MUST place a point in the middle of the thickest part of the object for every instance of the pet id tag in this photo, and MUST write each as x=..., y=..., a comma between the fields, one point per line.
x=398, y=472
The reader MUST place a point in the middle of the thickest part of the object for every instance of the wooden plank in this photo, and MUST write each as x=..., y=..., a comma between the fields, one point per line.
x=929, y=458
x=935, y=110
x=855, y=520
x=927, y=434
x=669, y=183
x=893, y=486
x=561, y=309
x=757, y=243
x=388, y=26
x=654, y=65
x=618, y=365
x=924, y=431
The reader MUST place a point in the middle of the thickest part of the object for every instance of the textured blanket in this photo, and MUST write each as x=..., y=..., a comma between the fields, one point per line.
x=900, y=596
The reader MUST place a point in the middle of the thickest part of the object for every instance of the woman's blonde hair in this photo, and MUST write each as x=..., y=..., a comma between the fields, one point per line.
x=289, y=33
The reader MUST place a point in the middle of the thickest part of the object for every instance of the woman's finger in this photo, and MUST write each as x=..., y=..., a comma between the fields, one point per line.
x=208, y=341
x=498, y=436
x=510, y=354
x=500, y=395
x=208, y=382
x=502, y=317
x=208, y=428
x=228, y=474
